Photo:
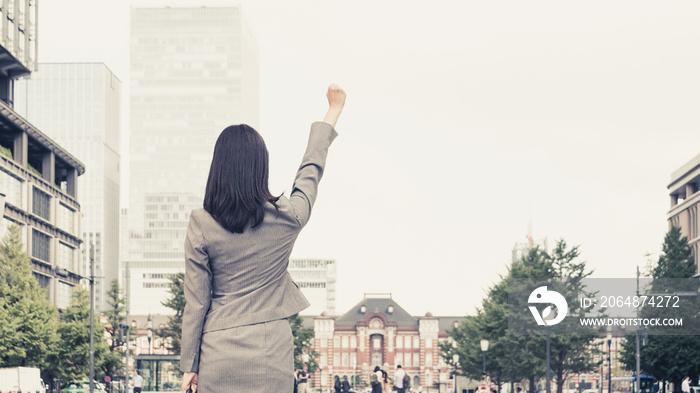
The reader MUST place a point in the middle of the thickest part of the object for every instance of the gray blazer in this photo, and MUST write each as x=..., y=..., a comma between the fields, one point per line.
x=235, y=279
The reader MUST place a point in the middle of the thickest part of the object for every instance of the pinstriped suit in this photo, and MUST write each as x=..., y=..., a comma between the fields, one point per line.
x=238, y=291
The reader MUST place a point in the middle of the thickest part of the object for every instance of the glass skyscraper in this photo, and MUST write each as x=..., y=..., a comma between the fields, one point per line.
x=194, y=71
x=78, y=105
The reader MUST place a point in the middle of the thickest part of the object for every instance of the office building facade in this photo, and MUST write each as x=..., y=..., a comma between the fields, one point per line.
x=79, y=106
x=194, y=71
x=316, y=278
x=685, y=198
x=38, y=178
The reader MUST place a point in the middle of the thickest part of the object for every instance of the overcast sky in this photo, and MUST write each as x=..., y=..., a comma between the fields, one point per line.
x=463, y=119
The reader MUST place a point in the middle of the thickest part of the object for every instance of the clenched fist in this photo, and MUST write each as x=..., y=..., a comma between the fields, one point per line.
x=336, y=102
x=336, y=96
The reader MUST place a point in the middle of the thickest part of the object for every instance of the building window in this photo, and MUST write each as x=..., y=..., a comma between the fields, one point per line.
x=324, y=359
x=353, y=359
x=416, y=359
x=336, y=359
x=346, y=360
x=12, y=188
x=399, y=342
x=40, y=204
x=157, y=285
x=336, y=342
x=353, y=341
x=65, y=219
x=63, y=295
x=416, y=342
x=399, y=358
x=43, y=281
x=407, y=342
x=407, y=359
x=429, y=359
x=376, y=343
x=344, y=342
x=65, y=257
x=41, y=245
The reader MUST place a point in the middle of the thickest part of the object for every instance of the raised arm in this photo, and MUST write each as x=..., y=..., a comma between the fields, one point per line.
x=310, y=172
x=336, y=102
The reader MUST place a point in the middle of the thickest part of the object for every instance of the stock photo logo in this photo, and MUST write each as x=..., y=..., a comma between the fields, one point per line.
x=542, y=296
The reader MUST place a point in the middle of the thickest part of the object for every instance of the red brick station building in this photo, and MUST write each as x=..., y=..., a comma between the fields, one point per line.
x=379, y=332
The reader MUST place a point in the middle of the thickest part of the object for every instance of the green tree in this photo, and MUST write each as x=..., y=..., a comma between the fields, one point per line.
x=73, y=355
x=571, y=353
x=115, y=314
x=513, y=357
x=669, y=358
x=303, y=341
x=28, y=332
x=510, y=357
x=172, y=332
x=677, y=258
x=114, y=360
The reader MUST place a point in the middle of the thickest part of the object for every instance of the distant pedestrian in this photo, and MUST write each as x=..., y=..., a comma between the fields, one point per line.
x=655, y=387
x=337, y=385
x=376, y=380
x=385, y=382
x=346, y=385
x=304, y=380
x=296, y=381
x=398, y=379
x=138, y=382
x=685, y=386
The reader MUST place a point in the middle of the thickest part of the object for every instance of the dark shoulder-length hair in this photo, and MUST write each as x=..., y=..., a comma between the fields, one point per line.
x=237, y=187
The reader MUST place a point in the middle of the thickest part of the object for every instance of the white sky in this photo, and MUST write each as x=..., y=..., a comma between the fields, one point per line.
x=460, y=115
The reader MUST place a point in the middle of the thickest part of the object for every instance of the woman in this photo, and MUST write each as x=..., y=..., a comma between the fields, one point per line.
x=235, y=334
x=376, y=380
x=385, y=382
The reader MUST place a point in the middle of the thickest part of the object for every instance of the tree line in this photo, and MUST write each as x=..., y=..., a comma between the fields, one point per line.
x=520, y=357
x=33, y=334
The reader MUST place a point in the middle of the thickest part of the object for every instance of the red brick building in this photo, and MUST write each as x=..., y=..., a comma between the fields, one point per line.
x=379, y=332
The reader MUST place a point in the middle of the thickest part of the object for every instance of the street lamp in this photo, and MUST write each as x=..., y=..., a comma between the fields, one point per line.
x=92, y=317
x=455, y=360
x=149, y=325
x=609, y=337
x=549, y=367
x=484, y=348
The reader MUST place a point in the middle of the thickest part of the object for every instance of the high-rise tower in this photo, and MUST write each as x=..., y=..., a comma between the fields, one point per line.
x=194, y=71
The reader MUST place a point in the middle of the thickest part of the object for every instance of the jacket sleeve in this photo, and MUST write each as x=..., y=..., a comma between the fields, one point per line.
x=197, y=290
x=310, y=172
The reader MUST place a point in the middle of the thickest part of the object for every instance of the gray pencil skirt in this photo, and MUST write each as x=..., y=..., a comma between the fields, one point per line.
x=247, y=359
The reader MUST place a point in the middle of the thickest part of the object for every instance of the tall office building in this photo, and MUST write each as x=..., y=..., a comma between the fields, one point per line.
x=685, y=199
x=316, y=279
x=38, y=178
x=78, y=104
x=194, y=71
